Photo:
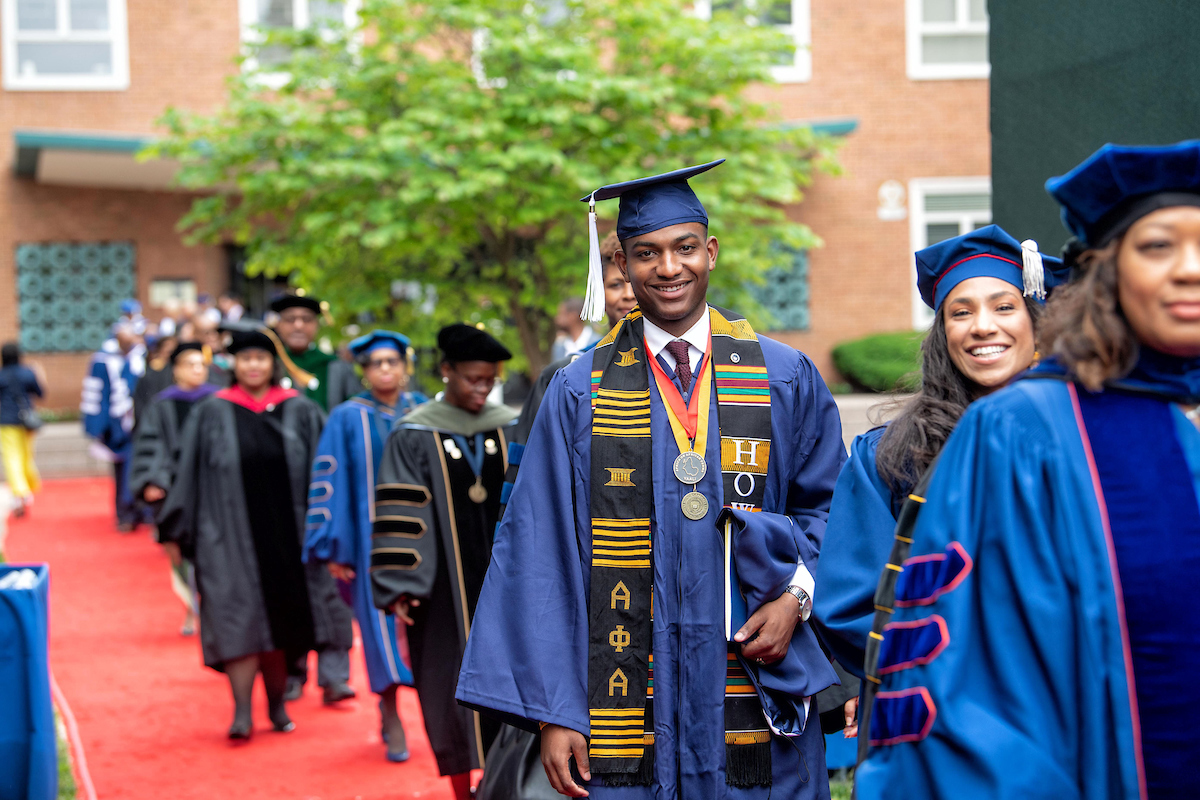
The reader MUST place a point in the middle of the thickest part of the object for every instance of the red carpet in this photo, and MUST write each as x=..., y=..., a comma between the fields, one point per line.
x=151, y=718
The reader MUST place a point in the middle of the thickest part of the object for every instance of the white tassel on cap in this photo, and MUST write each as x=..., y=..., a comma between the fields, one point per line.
x=1033, y=271
x=593, y=298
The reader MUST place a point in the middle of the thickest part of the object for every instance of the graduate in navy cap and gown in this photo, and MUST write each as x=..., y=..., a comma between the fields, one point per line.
x=986, y=290
x=341, y=511
x=236, y=509
x=646, y=601
x=1042, y=641
x=437, y=500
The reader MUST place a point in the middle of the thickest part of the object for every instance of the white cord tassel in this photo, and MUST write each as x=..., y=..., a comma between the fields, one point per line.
x=593, y=298
x=1033, y=272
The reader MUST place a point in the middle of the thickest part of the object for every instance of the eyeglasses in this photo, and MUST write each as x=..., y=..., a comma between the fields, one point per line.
x=298, y=318
x=376, y=363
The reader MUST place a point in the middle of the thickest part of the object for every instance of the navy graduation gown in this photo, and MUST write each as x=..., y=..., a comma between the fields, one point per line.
x=1023, y=687
x=341, y=509
x=527, y=655
x=858, y=540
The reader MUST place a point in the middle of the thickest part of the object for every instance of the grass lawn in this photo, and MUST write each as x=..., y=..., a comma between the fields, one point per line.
x=66, y=778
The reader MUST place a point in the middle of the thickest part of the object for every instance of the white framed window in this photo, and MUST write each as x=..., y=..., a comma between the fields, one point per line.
x=793, y=17
x=947, y=39
x=938, y=209
x=259, y=16
x=64, y=45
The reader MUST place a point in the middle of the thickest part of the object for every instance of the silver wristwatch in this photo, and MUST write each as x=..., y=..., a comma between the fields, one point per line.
x=803, y=598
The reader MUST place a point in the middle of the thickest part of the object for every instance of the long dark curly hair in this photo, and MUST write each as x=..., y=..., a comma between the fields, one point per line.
x=915, y=437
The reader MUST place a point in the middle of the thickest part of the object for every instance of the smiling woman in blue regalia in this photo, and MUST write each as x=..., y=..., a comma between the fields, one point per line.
x=1039, y=646
x=341, y=510
x=986, y=289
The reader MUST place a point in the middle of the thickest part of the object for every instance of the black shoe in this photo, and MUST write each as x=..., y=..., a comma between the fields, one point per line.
x=295, y=688
x=338, y=692
x=241, y=731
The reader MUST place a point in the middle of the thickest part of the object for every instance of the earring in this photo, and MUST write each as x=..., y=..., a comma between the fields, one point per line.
x=445, y=380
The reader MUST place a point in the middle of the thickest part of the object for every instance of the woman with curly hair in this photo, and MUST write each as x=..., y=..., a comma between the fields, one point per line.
x=1039, y=647
x=986, y=289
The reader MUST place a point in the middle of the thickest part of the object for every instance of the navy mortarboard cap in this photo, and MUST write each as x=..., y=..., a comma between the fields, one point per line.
x=987, y=252
x=647, y=204
x=1117, y=185
x=461, y=342
x=378, y=339
x=280, y=304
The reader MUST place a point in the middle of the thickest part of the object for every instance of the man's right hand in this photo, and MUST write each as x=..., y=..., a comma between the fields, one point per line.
x=152, y=493
x=403, y=607
x=558, y=744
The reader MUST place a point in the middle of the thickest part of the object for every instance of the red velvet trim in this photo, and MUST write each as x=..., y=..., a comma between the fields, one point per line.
x=274, y=396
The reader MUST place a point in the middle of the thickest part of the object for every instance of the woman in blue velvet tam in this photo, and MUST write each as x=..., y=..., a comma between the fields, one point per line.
x=1040, y=645
x=987, y=291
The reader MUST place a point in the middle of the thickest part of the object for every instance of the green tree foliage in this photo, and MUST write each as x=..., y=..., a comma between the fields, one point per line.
x=448, y=144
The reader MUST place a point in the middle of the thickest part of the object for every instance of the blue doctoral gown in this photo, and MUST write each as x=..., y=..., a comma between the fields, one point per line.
x=341, y=508
x=858, y=541
x=1021, y=689
x=528, y=651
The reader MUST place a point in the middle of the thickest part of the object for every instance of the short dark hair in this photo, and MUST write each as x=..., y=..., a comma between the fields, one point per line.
x=10, y=354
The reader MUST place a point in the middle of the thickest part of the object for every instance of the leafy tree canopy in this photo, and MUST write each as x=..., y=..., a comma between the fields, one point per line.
x=447, y=144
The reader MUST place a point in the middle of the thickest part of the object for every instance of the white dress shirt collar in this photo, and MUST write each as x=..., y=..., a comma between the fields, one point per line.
x=696, y=337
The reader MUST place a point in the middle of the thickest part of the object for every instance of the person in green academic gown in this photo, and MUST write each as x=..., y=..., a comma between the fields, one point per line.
x=333, y=382
x=437, y=500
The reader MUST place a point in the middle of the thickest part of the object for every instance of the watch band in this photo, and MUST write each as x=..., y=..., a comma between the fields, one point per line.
x=804, y=600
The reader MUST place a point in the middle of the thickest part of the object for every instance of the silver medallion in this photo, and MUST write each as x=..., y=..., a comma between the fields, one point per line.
x=695, y=505
x=478, y=494
x=690, y=467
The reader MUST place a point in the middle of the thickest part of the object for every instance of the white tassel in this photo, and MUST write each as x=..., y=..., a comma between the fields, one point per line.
x=1033, y=272
x=593, y=298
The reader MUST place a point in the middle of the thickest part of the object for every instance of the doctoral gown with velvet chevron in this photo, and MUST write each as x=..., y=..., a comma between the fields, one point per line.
x=528, y=653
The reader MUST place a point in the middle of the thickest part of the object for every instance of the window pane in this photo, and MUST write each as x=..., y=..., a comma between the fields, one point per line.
x=64, y=58
x=937, y=10
x=325, y=11
x=775, y=12
x=958, y=49
x=275, y=14
x=36, y=15
x=979, y=11
x=959, y=202
x=89, y=15
x=940, y=232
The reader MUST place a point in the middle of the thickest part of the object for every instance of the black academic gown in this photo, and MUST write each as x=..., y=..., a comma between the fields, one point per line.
x=248, y=603
x=434, y=543
x=156, y=442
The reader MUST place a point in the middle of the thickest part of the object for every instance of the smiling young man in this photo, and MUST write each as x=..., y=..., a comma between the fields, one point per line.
x=646, y=601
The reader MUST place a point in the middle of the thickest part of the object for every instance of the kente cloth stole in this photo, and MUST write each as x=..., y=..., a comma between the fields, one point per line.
x=620, y=683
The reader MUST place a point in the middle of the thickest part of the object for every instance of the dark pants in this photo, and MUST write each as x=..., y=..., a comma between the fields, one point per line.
x=129, y=510
x=333, y=667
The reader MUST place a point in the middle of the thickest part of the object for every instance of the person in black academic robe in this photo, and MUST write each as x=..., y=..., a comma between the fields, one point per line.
x=156, y=439
x=437, y=500
x=236, y=508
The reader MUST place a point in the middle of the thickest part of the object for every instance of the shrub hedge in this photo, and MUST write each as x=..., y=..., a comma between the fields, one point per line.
x=881, y=362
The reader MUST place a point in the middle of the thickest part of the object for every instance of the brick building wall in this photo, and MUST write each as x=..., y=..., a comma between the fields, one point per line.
x=180, y=53
x=862, y=279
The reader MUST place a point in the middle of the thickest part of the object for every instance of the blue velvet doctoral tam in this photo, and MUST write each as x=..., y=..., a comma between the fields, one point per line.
x=527, y=654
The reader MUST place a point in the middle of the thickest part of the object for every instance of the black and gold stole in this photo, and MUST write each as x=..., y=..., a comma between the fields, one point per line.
x=619, y=610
